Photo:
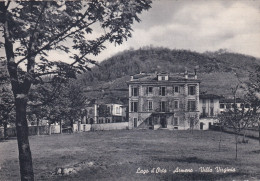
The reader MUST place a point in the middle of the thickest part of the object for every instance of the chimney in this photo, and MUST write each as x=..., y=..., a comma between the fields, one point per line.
x=95, y=113
x=186, y=74
x=195, y=73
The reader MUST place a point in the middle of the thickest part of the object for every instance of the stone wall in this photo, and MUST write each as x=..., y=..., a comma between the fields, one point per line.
x=110, y=126
x=43, y=130
x=83, y=127
x=206, y=122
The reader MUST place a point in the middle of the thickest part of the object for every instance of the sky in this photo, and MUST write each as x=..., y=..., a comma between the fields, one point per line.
x=201, y=25
x=196, y=25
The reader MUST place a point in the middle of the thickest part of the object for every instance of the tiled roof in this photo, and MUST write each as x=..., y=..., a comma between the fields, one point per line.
x=209, y=96
x=238, y=100
x=153, y=77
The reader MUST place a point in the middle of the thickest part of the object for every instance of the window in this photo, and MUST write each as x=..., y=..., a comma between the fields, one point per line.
x=211, y=101
x=150, y=105
x=162, y=77
x=191, y=90
x=149, y=90
x=176, y=89
x=228, y=106
x=222, y=106
x=241, y=105
x=117, y=110
x=175, y=121
x=204, y=112
x=247, y=106
x=134, y=106
x=176, y=104
x=150, y=121
x=191, y=105
x=100, y=121
x=162, y=91
x=134, y=91
x=91, y=111
x=204, y=101
x=212, y=111
x=162, y=106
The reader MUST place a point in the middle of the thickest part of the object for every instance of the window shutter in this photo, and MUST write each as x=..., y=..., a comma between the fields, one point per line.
x=136, y=107
x=144, y=106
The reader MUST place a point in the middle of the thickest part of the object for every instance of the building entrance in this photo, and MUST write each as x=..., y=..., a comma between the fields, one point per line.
x=163, y=122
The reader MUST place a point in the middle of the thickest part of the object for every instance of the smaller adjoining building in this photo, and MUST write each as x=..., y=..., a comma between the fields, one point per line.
x=241, y=104
x=105, y=113
x=226, y=104
x=209, y=110
x=103, y=116
x=209, y=105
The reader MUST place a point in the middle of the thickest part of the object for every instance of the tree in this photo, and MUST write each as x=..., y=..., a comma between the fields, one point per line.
x=6, y=99
x=6, y=108
x=37, y=27
x=237, y=118
x=104, y=111
x=67, y=101
x=76, y=101
x=193, y=122
x=45, y=102
x=55, y=113
x=253, y=95
x=36, y=112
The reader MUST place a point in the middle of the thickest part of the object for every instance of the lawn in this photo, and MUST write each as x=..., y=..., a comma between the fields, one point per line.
x=119, y=155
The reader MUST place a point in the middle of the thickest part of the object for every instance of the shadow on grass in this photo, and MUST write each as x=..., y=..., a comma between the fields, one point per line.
x=190, y=160
x=8, y=139
x=255, y=151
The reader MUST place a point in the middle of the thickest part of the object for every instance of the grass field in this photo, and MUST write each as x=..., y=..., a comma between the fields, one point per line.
x=118, y=155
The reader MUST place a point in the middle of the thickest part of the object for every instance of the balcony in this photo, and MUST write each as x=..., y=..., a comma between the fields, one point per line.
x=204, y=115
x=163, y=110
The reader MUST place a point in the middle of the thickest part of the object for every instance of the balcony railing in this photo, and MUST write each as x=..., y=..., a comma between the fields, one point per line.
x=167, y=110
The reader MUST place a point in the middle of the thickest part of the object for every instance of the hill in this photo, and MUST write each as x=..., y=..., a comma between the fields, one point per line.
x=218, y=71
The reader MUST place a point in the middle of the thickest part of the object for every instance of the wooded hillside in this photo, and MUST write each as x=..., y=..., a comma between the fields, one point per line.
x=218, y=71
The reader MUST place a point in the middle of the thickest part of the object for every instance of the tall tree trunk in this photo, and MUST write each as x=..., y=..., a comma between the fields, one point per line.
x=20, y=92
x=71, y=124
x=220, y=139
x=79, y=125
x=38, y=129
x=244, y=136
x=25, y=157
x=259, y=133
x=49, y=128
x=236, y=139
x=60, y=127
x=5, y=131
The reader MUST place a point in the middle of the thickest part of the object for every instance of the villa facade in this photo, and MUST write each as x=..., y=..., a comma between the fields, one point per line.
x=163, y=100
